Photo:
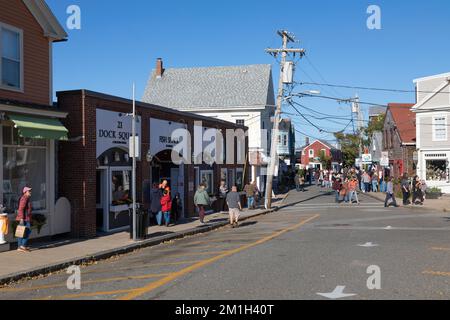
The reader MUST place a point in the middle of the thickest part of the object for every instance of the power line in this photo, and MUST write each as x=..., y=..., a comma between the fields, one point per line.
x=368, y=88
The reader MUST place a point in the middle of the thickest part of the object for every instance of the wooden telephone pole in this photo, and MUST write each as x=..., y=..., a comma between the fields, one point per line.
x=287, y=37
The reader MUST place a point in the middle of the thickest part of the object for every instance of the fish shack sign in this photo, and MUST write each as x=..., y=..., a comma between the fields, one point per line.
x=114, y=130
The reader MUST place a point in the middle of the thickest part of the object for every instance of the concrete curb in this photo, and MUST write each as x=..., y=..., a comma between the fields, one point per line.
x=410, y=206
x=103, y=255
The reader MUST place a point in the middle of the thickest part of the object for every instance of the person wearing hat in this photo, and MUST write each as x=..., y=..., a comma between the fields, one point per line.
x=24, y=218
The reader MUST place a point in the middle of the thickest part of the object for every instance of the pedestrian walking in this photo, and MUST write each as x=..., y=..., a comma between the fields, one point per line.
x=223, y=190
x=423, y=188
x=297, y=182
x=390, y=193
x=366, y=181
x=337, y=185
x=302, y=183
x=250, y=190
x=405, y=189
x=155, y=203
x=201, y=200
x=234, y=206
x=24, y=215
x=375, y=182
x=177, y=208
x=417, y=191
x=352, y=190
x=166, y=206
x=343, y=193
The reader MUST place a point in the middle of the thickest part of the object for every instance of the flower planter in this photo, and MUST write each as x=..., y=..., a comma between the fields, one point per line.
x=433, y=195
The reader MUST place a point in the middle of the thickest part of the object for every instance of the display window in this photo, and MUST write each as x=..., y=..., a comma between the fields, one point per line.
x=24, y=163
x=436, y=170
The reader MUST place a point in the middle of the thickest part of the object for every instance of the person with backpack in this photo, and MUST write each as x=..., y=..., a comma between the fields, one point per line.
x=24, y=215
x=166, y=206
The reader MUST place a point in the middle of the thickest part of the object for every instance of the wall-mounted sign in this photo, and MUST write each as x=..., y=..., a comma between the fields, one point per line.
x=161, y=135
x=384, y=161
x=366, y=158
x=114, y=130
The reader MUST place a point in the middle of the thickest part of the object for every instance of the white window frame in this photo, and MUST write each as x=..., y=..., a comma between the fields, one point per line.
x=311, y=153
x=434, y=127
x=20, y=32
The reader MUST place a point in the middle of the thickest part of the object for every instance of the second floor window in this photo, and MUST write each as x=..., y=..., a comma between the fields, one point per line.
x=11, y=57
x=240, y=122
x=439, y=128
x=311, y=153
x=285, y=140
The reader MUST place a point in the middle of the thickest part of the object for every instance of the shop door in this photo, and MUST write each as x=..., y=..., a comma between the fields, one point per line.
x=101, y=198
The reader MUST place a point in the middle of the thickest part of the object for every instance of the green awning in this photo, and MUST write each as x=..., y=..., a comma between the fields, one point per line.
x=39, y=128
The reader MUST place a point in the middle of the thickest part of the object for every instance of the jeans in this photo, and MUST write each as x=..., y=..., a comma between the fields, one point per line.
x=366, y=186
x=297, y=187
x=159, y=217
x=336, y=196
x=167, y=217
x=374, y=186
x=22, y=242
x=352, y=193
x=383, y=186
x=406, y=197
x=251, y=202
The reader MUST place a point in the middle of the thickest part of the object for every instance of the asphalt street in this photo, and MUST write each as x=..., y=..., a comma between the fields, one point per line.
x=312, y=249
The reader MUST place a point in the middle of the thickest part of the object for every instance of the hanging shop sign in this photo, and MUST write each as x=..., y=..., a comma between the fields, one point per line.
x=366, y=158
x=384, y=160
x=114, y=130
x=161, y=135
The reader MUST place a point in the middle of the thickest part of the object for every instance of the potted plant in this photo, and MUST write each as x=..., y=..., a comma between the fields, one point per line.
x=433, y=193
x=37, y=222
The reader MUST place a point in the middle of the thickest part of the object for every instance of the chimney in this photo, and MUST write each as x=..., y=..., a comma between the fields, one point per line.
x=159, y=68
x=307, y=141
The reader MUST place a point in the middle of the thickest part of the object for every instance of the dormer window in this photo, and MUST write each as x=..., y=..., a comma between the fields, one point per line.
x=11, y=54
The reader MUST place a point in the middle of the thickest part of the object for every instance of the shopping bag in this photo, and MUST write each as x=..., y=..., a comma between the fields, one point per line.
x=20, y=231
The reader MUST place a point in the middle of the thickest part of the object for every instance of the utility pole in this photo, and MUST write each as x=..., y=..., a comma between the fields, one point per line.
x=287, y=37
x=133, y=150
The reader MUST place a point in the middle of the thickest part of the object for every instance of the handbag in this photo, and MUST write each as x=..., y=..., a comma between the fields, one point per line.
x=20, y=231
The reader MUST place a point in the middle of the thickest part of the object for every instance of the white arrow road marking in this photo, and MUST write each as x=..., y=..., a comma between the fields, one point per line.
x=337, y=293
x=368, y=245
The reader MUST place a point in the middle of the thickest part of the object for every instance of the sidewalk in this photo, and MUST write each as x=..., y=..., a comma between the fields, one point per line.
x=57, y=255
x=442, y=204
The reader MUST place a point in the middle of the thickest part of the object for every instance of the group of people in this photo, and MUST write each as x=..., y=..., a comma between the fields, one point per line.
x=348, y=181
x=162, y=207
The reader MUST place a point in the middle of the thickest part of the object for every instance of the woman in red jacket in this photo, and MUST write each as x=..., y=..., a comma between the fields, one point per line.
x=166, y=206
x=24, y=218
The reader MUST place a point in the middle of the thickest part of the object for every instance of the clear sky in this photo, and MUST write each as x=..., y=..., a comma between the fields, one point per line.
x=119, y=42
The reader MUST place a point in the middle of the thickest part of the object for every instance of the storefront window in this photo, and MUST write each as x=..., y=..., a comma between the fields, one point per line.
x=239, y=179
x=436, y=170
x=121, y=187
x=206, y=177
x=24, y=164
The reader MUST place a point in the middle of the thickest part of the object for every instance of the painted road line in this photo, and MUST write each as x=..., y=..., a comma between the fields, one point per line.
x=161, y=264
x=154, y=285
x=436, y=273
x=87, y=294
x=440, y=249
x=84, y=282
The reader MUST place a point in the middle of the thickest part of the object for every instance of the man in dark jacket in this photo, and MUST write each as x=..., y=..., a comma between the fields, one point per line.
x=337, y=186
x=155, y=203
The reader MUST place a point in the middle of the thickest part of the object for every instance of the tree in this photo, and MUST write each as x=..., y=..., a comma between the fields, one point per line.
x=325, y=160
x=376, y=124
x=349, y=146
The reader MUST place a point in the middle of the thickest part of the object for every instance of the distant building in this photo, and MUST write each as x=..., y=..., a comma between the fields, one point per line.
x=243, y=95
x=312, y=152
x=286, y=143
x=375, y=112
x=432, y=113
x=399, y=139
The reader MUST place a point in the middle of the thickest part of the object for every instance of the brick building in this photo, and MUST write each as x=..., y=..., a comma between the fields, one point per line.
x=312, y=152
x=399, y=139
x=95, y=167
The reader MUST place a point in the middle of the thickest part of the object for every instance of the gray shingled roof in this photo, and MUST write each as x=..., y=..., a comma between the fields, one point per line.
x=211, y=87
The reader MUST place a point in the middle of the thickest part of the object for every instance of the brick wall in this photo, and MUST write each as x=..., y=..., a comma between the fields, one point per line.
x=77, y=158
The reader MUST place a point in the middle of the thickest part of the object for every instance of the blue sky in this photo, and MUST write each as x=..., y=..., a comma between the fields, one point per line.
x=119, y=42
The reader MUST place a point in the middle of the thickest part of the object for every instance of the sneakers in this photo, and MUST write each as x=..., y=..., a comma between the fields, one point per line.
x=23, y=249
